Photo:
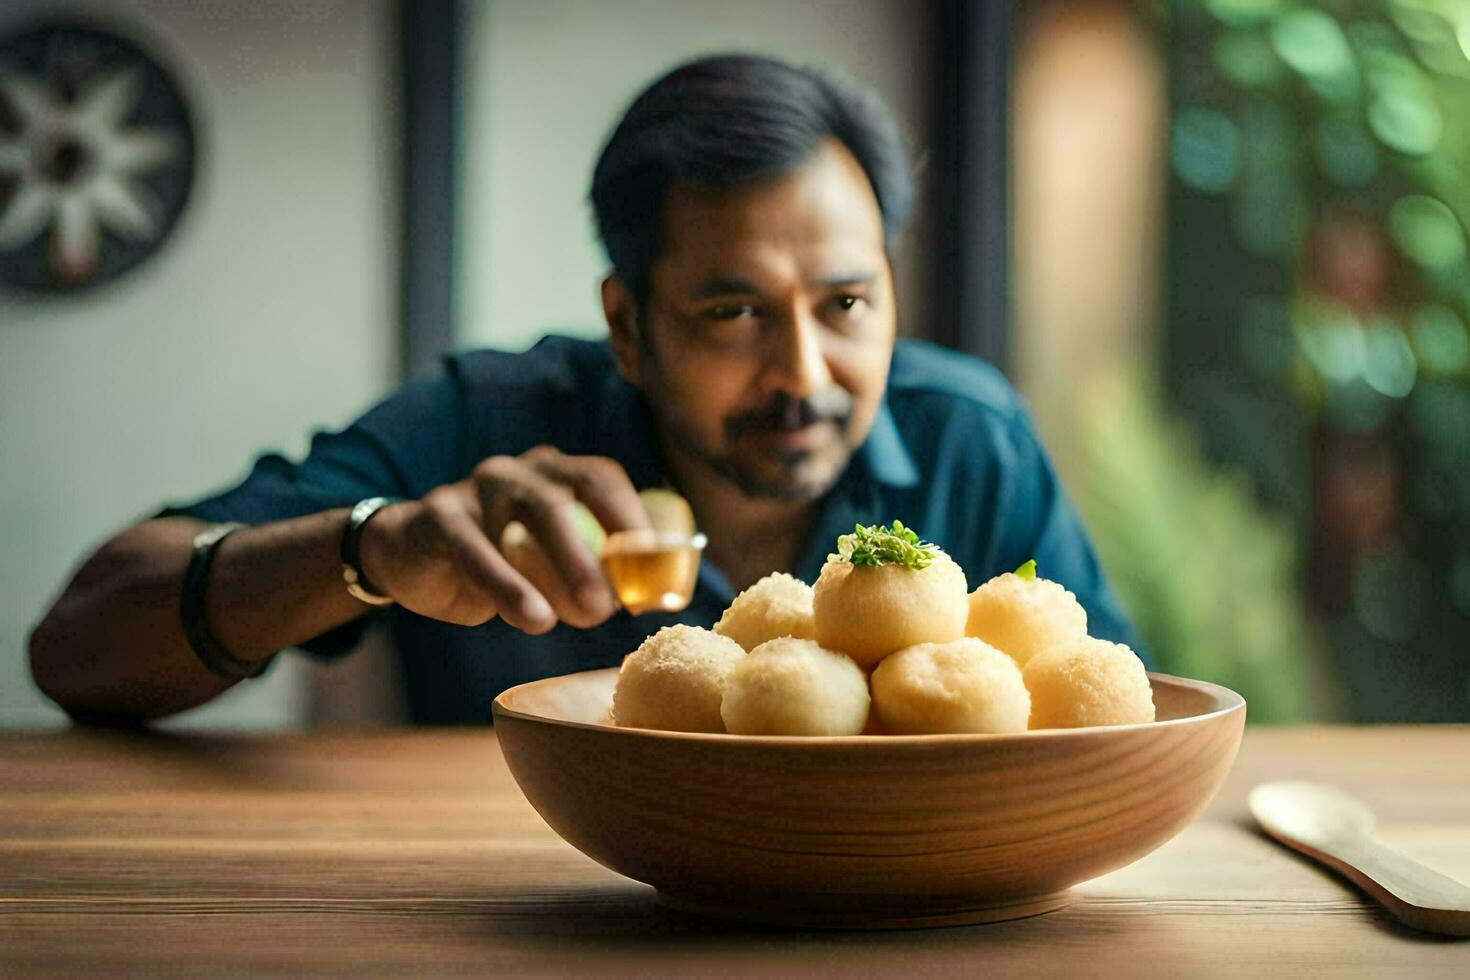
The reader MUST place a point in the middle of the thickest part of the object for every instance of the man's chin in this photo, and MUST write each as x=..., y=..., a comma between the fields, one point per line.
x=795, y=476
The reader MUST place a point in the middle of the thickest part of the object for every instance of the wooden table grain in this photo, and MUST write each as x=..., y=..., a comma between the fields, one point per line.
x=413, y=853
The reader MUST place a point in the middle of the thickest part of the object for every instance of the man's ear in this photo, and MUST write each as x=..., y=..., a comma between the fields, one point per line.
x=621, y=311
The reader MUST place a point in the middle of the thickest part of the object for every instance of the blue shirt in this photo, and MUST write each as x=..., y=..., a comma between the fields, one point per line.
x=952, y=453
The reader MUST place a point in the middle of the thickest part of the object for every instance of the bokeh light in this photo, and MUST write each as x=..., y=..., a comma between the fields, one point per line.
x=1206, y=149
x=1243, y=13
x=1247, y=59
x=1440, y=340
x=1427, y=232
x=1388, y=366
x=1312, y=43
x=1416, y=21
x=1405, y=120
x=1332, y=339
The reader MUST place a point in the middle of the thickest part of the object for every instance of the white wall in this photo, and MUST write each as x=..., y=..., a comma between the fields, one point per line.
x=546, y=80
x=270, y=312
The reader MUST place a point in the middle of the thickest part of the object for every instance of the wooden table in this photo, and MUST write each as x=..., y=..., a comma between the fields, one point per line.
x=414, y=853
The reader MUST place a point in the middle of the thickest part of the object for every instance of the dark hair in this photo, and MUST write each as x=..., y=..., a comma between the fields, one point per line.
x=725, y=120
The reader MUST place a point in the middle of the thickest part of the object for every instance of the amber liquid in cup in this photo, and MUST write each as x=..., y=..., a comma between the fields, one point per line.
x=652, y=571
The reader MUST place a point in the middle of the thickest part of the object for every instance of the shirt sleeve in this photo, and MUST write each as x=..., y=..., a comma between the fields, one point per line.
x=403, y=447
x=1039, y=522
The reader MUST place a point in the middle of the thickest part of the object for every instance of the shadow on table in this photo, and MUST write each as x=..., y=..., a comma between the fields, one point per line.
x=621, y=918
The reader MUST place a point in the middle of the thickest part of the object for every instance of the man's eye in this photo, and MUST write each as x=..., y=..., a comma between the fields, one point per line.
x=848, y=302
x=730, y=311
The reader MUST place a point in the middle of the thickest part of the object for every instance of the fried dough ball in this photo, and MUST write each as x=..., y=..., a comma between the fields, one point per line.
x=1024, y=616
x=869, y=611
x=1088, y=682
x=789, y=686
x=674, y=681
x=965, y=685
x=777, y=605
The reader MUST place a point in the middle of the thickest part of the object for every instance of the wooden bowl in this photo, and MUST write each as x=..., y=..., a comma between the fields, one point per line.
x=865, y=831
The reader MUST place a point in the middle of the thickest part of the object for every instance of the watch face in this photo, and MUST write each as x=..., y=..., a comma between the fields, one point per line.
x=97, y=154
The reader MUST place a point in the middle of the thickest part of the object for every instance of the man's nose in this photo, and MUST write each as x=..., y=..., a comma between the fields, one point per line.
x=798, y=366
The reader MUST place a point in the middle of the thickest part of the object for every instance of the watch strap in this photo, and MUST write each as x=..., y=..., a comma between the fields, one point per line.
x=352, y=573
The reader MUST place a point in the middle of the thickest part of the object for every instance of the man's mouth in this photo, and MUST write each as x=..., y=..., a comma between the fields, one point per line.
x=794, y=423
x=804, y=437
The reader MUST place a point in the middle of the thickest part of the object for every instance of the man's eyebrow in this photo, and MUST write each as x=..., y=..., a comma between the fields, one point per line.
x=724, y=286
x=730, y=286
x=849, y=279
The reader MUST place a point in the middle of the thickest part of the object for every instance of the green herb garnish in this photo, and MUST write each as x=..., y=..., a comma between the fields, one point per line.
x=878, y=545
x=1027, y=571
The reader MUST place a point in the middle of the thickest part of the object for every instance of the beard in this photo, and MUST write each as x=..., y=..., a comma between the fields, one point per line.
x=789, y=474
x=767, y=472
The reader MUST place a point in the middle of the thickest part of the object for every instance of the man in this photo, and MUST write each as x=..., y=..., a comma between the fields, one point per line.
x=748, y=208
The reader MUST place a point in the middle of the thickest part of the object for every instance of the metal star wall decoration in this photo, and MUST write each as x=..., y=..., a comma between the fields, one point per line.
x=96, y=157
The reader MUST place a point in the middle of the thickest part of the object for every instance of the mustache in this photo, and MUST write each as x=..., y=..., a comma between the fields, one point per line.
x=786, y=414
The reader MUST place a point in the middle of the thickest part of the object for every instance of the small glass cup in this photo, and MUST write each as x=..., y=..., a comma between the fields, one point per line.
x=652, y=571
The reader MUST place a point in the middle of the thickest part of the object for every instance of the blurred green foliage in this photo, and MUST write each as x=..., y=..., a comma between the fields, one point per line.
x=1318, y=299
x=1209, y=577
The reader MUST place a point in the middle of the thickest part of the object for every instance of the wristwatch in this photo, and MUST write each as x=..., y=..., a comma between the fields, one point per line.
x=357, y=584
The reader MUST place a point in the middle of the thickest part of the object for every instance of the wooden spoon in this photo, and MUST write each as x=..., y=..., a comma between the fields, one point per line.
x=1332, y=827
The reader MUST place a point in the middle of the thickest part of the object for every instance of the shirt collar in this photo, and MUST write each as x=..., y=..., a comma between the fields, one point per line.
x=887, y=458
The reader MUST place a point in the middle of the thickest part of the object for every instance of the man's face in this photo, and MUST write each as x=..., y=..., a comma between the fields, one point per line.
x=770, y=324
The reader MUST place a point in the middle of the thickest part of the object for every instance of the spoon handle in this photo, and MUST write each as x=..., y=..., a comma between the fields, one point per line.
x=1417, y=896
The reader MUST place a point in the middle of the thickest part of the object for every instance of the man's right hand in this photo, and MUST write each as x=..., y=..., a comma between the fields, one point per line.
x=440, y=557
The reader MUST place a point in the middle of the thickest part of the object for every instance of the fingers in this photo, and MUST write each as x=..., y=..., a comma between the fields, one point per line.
x=598, y=482
x=512, y=489
x=483, y=569
x=526, y=556
x=511, y=531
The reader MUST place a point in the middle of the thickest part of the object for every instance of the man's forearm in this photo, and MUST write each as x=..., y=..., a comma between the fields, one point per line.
x=113, y=643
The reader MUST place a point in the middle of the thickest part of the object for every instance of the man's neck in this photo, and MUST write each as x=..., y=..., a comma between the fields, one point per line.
x=748, y=537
